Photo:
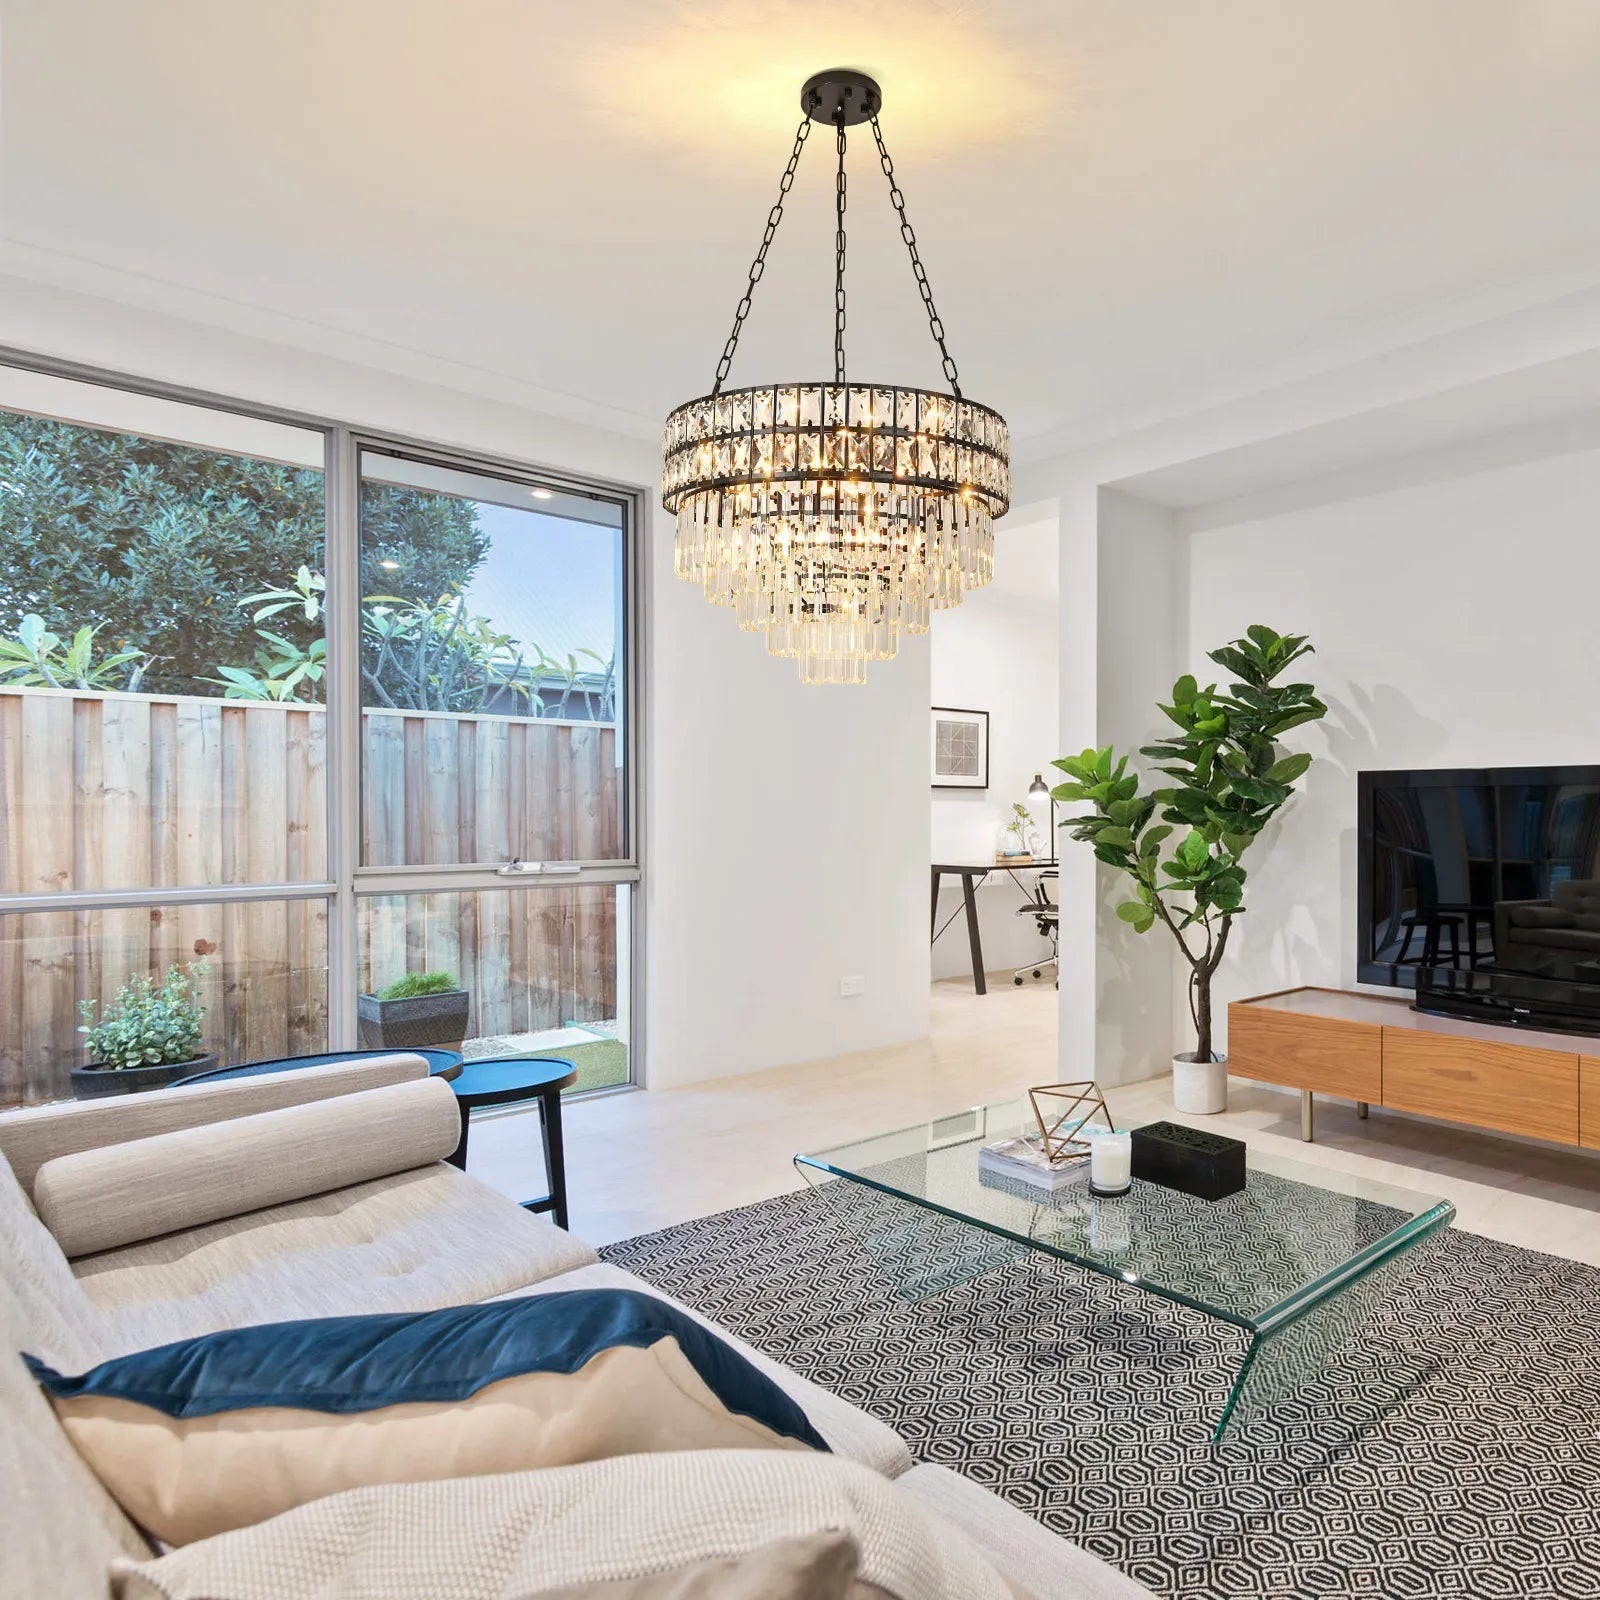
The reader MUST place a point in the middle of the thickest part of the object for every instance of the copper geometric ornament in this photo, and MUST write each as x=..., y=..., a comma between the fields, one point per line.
x=1082, y=1103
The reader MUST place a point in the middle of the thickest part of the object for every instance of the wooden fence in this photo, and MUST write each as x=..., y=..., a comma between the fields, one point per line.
x=120, y=791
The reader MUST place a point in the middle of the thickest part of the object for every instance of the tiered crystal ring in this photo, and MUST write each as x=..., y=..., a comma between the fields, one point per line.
x=835, y=517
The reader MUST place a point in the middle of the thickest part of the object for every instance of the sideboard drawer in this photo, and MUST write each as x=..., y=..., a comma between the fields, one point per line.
x=1510, y=1087
x=1327, y=1054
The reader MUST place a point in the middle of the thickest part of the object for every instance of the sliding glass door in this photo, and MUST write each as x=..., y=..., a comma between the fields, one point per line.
x=304, y=716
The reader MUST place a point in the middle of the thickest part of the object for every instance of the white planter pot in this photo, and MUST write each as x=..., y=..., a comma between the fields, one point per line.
x=1199, y=1087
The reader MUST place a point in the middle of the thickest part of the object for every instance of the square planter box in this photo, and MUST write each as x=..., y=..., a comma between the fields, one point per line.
x=413, y=1023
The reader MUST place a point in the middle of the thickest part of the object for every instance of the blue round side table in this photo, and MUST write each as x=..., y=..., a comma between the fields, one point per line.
x=509, y=1080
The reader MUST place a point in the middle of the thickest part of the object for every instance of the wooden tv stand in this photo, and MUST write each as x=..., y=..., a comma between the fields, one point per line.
x=1378, y=1051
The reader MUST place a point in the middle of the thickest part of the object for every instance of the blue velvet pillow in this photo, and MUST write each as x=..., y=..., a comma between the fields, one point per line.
x=223, y=1430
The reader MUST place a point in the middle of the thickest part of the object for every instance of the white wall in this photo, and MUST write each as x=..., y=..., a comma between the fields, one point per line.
x=1140, y=589
x=998, y=651
x=1454, y=622
x=786, y=833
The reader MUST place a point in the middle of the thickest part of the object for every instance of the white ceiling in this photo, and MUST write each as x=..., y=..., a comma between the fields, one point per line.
x=1123, y=205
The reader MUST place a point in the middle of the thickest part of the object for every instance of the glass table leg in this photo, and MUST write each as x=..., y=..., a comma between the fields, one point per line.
x=1298, y=1349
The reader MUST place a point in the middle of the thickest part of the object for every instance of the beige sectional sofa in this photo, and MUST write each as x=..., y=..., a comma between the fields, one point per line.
x=199, y=1252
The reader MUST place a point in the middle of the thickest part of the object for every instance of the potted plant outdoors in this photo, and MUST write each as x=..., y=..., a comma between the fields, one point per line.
x=1230, y=779
x=413, y=1012
x=148, y=1037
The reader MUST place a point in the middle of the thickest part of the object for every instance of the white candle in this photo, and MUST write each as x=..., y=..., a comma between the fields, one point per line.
x=1111, y=1163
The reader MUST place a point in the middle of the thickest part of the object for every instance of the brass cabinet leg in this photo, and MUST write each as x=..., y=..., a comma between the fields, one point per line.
x=1305, y=1115
x=1361, y=1109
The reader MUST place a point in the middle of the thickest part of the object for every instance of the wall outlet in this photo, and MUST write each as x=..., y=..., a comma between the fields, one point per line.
x=850, y=988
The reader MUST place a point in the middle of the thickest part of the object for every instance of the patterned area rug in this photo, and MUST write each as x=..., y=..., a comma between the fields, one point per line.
x=1455, y=1451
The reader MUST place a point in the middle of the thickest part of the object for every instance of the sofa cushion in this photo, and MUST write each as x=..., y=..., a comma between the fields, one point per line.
x=1031, y=1558
x=1578, y=894
x=412, y=1242
x=818, y=1566
x=37, y=1134
x=850, y=1431
x=59, y=1529
x=1541, y=917
x=96, y=1200
x=53, y=1315
x=219, y=1432
x=511, y=1537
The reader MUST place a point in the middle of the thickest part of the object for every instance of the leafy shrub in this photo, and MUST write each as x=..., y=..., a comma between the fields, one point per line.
x=419, y=983
x=146, y=1026
x=153, y=544
x=36, y=657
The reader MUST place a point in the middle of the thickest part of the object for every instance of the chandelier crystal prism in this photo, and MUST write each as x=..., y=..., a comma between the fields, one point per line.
x=835, y=517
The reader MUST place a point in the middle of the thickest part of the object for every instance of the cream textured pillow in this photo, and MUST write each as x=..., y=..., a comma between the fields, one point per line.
x=231, y=1428
x=100, y=1199
x=520, y=1536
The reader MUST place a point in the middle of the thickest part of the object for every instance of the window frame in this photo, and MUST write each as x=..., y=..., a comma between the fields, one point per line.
x=347, y=879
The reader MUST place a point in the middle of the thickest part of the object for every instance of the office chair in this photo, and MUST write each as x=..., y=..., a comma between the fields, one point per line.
x=1047, y=916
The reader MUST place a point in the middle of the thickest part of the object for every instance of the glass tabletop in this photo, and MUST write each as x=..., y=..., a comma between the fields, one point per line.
x=1295, y=1233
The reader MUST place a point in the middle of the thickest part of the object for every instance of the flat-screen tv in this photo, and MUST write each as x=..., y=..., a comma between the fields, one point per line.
x=1480, y=889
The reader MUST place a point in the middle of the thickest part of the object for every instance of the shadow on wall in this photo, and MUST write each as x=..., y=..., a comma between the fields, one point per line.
x=1300, y=922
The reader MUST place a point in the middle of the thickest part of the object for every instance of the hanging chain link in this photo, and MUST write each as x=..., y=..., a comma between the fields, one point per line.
x=759, y=265
x=898, y=201
x=838, y=258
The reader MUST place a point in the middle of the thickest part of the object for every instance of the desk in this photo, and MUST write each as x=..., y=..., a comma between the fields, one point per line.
x=971, y=875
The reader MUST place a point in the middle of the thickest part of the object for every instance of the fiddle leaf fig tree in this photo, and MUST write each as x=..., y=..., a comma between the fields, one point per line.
x=1227, y=779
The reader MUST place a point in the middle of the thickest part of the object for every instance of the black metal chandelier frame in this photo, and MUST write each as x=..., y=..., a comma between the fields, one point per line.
x=826, y=439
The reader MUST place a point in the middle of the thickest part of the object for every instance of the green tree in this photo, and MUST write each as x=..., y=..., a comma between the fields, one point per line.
x=154, y=545
x=1229, y=779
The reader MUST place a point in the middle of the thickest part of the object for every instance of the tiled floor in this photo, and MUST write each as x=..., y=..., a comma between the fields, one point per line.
x=641, y=1161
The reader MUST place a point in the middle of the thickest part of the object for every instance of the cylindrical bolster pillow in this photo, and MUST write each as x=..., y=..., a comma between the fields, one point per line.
x=100, y=1199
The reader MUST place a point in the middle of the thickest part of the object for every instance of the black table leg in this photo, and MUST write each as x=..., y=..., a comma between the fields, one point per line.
x=458, y=1156
x=933, y=921
x=970, y=893
x=555, y=1159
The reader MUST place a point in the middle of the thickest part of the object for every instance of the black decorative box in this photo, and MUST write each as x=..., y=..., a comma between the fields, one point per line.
x=1203, y=1164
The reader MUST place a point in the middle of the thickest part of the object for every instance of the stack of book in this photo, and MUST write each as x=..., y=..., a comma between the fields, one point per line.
x=1024, y=1160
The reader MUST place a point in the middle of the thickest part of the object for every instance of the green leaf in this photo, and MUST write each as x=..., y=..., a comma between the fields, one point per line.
x=1260, y=791
x=1114, y=837
x=1194, y=851
x=1137, y=915
x=1290, y=768
x=1264, y=637
x=1184, y=690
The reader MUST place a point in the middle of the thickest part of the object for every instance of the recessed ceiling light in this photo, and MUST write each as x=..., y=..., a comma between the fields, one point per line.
x=542, y=494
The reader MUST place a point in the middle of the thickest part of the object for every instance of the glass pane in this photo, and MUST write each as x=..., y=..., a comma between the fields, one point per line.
x=544, y=971
x=259, y=970
x=161, y=643
x=491, y=669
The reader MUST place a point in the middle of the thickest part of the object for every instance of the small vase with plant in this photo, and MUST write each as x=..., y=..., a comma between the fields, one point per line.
x=413, y=1012
x=1229, y=780
x=1018, y=838
x=148, y=1037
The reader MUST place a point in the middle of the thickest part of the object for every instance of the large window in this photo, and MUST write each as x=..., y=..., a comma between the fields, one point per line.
x=304, y=745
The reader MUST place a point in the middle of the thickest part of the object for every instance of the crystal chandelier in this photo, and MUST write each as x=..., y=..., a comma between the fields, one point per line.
x=835, y=517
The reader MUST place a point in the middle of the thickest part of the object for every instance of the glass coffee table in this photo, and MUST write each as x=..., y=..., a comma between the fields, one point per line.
x=1298, y=1259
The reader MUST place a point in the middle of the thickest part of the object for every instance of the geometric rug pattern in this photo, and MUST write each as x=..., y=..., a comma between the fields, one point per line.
x=1452, y=1450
